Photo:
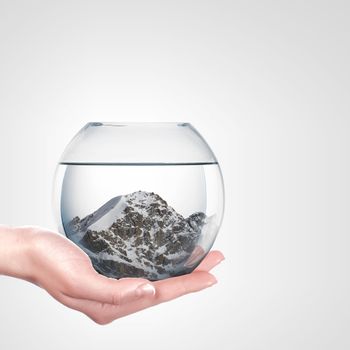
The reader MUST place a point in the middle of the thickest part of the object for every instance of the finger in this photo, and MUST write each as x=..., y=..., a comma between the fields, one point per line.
x=166, y=290
x=92, y=286
x=175, y=287
x=211, y=260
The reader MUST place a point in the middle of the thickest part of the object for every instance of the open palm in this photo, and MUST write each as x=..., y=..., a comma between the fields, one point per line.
x=66, y=273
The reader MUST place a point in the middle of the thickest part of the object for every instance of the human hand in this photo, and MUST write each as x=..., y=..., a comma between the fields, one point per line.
x=56, y=264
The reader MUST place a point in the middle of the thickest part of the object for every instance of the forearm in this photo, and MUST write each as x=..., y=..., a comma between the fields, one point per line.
x=14, y=252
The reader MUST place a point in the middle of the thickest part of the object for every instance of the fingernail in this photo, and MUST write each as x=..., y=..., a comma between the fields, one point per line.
x=212, y=281
x=145, y=289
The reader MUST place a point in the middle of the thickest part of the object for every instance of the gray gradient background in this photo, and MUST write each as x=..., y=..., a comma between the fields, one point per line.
x=267, y=84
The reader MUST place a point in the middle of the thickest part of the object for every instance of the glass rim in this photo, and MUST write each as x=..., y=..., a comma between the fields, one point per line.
x=149, y=124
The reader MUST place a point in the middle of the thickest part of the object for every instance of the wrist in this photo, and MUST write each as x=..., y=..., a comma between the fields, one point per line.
x=15, y=252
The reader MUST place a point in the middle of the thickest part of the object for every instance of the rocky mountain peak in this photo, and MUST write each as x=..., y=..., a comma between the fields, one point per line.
x=137, y=235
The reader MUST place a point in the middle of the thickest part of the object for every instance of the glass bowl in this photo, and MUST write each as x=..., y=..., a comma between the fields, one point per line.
x=141, y=199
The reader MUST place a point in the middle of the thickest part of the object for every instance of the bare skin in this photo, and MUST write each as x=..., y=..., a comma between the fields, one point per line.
x=57, y=265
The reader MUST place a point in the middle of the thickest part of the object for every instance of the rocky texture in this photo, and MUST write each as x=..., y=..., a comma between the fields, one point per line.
x=138, y=235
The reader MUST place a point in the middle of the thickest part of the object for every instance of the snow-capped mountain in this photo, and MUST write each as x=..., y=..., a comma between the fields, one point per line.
x=137, y=235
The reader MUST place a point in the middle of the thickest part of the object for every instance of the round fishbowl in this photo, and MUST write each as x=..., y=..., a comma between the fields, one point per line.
x=140, y=199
